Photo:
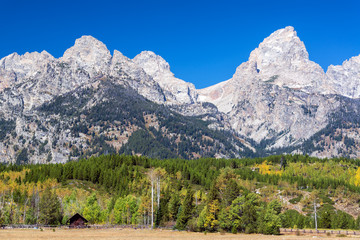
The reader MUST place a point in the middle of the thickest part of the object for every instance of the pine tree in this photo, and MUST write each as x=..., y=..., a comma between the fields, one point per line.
x=270, y=221
x=325, y=216
x=231, y=192
x=186, y=210
x=357, y=223
x=283, y=163
x=50, y=208
x=214, y=192
x=244, y=213
x=173, y=206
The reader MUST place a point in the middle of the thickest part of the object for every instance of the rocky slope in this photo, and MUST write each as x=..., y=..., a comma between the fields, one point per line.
x=89, y=102
x=279, y=98
x=346, y=78
x=176, y=90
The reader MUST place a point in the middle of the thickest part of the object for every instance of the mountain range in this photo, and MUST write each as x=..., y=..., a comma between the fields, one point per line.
x=91, y=102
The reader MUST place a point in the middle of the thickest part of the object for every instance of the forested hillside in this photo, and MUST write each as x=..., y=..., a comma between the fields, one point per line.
x=235, y=195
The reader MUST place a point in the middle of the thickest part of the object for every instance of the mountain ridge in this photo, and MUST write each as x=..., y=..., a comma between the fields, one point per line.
x=264, y=108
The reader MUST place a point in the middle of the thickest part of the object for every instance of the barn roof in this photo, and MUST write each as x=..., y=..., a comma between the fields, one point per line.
x=75, y=217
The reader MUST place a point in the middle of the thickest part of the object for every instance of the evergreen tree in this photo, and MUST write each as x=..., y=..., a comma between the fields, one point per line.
x=174, y=205
x=244, y=213
x=50, y=208
x=250, y=212
x=214, y=192
x=283, y=163
x=187, y=209
x=357, y=223
x=325, y=216
x=231, y=192
x=292, y=218
x=270, y=221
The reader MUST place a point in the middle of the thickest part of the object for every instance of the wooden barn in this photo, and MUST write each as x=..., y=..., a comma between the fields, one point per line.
x=77, y=221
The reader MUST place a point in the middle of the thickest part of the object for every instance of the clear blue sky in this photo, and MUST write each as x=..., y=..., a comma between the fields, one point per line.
x=204, y=41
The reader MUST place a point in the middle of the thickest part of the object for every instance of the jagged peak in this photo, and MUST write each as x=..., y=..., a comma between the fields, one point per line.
x=89, y=40
x=146, y=53
x=287, y=32
x=119, y=57
x=28, y=58
x=347, y=63
x=282, y=36
x=355, y=59
x=118, y=53
x=149, y=56
x=283, y=43
x=89, y=50
x=152, y=64
x=35, y=54
x=282, y=59
x=12, y=55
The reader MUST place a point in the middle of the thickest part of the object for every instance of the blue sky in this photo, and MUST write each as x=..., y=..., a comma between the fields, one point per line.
x=204, y=41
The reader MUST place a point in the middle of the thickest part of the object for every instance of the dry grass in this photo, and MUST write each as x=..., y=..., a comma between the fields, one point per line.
x=130, y=234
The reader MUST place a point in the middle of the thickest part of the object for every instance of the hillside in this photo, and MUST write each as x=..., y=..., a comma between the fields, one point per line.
x=237, y=195
x=116, y=119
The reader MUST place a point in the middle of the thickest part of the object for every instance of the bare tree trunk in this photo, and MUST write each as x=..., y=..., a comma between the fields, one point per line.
x=148, y=218
x=196, y=200
x=25, y=210
x=158, y=191
x=129, y=216
x=2, y=200
x=11, y=207
x=315, y=215
x=152, y=203
x=144, y=219
x=37, y=203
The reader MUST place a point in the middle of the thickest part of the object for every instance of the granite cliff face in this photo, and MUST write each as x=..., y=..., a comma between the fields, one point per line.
x=89, y=102
x=279, y=98
x=283, y=60
x=346, y=78
x=176, y=90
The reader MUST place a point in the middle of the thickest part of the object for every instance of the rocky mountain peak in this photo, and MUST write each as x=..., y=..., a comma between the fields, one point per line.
x=284, y=34
x=176, y=90
x=16, y=67
x=119, y=57
x=153, y=64
x=282, y=59
x=283, y=44
x=89, y=53
x=346, y=77
x=11, y=61
x=277, y=99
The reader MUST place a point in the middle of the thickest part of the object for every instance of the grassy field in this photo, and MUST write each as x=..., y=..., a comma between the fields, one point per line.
x=130, y=234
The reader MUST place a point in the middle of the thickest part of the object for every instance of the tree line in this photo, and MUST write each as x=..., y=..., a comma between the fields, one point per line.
x=199, y=195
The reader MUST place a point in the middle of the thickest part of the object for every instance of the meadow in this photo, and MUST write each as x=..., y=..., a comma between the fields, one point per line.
x=132, y=234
